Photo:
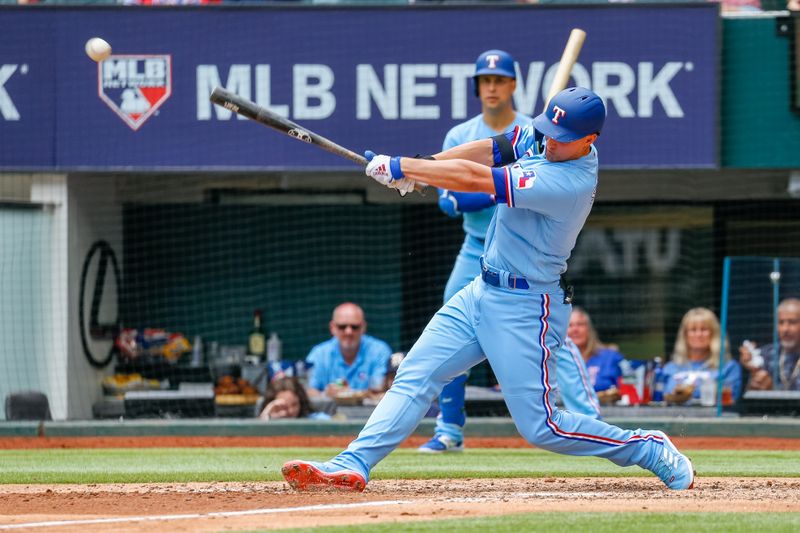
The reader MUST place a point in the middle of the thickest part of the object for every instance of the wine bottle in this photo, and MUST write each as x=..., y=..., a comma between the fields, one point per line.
x=256, y=342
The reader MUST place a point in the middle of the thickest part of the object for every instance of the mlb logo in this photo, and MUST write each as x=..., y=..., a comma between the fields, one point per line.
x=135, y=86
x=526, y=180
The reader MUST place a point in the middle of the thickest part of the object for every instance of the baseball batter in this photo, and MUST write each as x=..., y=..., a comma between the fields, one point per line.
x=515, y=313
x=494, y=81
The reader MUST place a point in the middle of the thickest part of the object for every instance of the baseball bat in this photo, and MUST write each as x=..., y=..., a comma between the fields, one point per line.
x=246, y=108
x=568, y=59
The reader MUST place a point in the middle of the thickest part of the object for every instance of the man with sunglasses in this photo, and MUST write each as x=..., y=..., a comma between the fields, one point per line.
x=350, y=360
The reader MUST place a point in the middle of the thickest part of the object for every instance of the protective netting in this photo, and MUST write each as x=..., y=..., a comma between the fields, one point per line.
x=168, y=255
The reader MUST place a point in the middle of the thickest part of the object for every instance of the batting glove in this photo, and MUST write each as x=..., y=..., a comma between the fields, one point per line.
x=403, y=186
x=384, y=169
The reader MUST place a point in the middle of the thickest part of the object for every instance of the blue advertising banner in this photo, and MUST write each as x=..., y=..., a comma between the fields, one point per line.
x=393, y=80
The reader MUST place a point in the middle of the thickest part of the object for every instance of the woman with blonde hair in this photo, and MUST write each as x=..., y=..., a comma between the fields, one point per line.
x=695, y=358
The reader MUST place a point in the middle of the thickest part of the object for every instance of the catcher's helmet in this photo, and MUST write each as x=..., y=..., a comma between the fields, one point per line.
x=494, y=63
x=572, y=114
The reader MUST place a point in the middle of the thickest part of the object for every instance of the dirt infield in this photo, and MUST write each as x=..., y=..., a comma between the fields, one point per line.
x=248, y=506
x=273, y=505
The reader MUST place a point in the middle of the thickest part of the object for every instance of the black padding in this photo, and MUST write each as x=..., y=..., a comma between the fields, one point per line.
x=27, y=406
x=506, y=149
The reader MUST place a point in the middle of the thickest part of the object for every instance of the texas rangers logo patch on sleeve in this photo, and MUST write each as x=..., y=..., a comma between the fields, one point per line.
x=526, y=180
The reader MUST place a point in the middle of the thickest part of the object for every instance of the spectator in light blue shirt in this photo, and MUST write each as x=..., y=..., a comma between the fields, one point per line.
x=695, y=358
x=351, y=362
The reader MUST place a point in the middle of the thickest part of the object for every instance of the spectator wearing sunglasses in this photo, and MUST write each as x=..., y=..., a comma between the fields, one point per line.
x=351, y=362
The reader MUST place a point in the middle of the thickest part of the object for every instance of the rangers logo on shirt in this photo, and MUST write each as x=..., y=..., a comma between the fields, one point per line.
x=526, y=180
x=135, y=86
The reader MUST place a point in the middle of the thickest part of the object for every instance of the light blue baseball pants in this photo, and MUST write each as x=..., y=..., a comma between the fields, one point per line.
x=519, y=332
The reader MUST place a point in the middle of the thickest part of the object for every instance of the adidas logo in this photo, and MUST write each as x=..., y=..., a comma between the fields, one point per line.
x=670, y=458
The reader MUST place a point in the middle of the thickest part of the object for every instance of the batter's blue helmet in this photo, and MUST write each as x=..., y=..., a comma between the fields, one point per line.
x=572, y=114
x=494, y=63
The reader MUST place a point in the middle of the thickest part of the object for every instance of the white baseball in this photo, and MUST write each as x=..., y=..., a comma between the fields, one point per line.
x=98, y=49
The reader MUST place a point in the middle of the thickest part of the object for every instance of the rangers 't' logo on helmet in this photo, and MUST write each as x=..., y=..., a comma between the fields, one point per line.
x=492, y=59
x=557, y=114
x=135, y=86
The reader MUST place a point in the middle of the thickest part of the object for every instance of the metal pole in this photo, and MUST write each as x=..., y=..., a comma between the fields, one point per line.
x=775, y=278
x=723, y=319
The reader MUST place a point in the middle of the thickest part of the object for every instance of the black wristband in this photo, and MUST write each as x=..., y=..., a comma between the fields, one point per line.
x=428, y=157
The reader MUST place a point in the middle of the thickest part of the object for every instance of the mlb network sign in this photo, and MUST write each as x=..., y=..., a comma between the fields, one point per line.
x=422, y=91
x=148, y=104
x=134, y=87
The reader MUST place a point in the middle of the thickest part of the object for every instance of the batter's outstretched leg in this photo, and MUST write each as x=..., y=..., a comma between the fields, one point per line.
x=445, y=349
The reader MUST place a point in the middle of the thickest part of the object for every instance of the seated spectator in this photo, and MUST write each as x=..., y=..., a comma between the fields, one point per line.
x=604, y=363
x=793, y=5
x=286, y=398
x=783, y=358
x=351, y=361
x=695, y=358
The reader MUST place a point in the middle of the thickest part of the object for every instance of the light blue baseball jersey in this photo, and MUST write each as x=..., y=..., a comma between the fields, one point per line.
x=328, y=365
x=545, y=207
x=475, y=129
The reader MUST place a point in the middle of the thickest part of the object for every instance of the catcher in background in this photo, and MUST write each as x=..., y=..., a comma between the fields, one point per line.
x=494, y=80
x=695, y=359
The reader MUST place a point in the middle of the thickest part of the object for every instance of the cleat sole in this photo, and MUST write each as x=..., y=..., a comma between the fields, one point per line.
x=303, y=476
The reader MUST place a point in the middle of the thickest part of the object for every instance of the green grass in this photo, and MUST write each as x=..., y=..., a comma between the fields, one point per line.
x=175, y=465
x=594, y=522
